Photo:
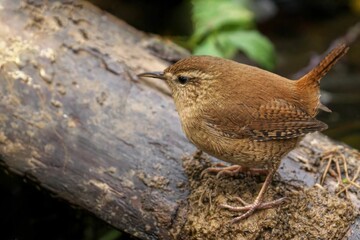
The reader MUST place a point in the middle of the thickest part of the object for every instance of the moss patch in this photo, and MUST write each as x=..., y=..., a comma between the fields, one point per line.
x=307, y=214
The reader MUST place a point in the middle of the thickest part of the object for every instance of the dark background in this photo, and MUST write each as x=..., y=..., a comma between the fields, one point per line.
x=299, y=30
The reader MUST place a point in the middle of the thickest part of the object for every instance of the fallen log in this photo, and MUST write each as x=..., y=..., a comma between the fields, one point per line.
x=75, y=119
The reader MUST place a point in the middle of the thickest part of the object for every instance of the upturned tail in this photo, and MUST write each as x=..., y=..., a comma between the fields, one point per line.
x=309, y=85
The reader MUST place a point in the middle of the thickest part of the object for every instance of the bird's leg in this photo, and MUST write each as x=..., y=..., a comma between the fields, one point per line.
x=222, y=169
x=257, y=204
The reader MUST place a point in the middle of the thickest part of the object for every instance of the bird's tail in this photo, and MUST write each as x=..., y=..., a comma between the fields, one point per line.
x=309, y=84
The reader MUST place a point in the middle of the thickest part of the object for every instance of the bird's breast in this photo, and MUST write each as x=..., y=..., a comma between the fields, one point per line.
x=245, y=152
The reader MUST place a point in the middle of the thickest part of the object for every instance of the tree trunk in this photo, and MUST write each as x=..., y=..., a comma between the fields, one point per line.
x=75, y=119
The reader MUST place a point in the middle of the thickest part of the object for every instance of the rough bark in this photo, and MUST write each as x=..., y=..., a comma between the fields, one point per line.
x=75, y=119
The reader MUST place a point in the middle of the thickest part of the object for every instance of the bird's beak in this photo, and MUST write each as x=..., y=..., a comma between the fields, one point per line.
x=159, y=75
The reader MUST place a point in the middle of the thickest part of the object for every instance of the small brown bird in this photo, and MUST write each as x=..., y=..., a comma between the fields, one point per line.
x=245, y=115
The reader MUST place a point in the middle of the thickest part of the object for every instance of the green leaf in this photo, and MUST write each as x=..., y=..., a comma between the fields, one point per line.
x=255, y=45
x=224, y=26
x=208, y=47
x=213, y=15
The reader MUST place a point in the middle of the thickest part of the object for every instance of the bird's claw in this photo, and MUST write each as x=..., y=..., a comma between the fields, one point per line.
x=250, y=208
x=221, y=170
x=233, y=170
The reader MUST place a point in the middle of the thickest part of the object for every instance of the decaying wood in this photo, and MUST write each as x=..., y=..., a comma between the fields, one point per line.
x=75, y=119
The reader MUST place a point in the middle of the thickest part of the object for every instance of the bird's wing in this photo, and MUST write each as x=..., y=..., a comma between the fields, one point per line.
x=277, y=119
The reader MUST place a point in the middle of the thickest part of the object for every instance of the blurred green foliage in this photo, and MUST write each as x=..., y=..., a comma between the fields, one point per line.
x=111, y=235
x=223, y=27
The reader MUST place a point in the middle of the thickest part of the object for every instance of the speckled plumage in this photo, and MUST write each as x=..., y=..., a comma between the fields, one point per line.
x=227, y=109
x=245, y=115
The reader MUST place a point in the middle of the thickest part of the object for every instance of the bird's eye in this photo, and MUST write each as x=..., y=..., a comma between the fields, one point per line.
x=182, y=79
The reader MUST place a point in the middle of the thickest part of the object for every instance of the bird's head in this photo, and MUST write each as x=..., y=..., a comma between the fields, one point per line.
x=193, y=78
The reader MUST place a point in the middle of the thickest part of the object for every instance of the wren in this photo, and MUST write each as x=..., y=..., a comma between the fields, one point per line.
x=245, y=115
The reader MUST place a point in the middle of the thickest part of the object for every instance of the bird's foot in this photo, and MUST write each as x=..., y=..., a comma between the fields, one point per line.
x=221, y=169
x=249, y=209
